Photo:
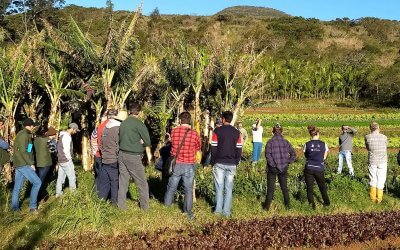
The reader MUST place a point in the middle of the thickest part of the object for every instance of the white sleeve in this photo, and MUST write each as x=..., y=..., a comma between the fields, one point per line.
x=326, y=147
x=304, y=148
x=66, y=141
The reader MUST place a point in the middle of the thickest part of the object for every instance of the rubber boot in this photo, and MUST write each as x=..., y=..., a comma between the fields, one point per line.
x=372, y=194
x=379, y=195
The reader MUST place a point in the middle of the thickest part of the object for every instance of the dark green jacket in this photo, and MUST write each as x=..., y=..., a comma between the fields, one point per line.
x=130, y=133
x=4, y=157
x=42, y=152
x=21, y=155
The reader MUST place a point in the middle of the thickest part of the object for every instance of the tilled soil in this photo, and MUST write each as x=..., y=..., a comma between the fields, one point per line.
x=280, y=232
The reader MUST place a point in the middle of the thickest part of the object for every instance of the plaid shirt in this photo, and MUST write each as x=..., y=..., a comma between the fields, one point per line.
x=376, y=144
x=279, y=152
x=189, y=148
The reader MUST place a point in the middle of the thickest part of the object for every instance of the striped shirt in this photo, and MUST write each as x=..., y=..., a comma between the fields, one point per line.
x=376, y=144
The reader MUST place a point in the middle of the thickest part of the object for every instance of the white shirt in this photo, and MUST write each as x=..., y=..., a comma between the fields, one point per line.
x=257, y=134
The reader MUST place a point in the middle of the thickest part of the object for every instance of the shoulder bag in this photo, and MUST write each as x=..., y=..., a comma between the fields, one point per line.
x=171, y=161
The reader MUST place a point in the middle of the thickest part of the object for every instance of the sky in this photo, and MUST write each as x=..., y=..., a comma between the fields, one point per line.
x=320, y=9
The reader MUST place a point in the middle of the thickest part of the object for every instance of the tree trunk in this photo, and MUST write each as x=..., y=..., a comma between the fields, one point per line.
x=86, y=159
x=55, y=117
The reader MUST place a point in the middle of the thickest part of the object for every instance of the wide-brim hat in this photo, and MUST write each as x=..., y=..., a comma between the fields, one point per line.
x=51, y=131
x=122, y=115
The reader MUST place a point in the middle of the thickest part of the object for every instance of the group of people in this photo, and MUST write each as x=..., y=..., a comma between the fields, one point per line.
x=36, y=155
x=280, y=153
x=120, y=140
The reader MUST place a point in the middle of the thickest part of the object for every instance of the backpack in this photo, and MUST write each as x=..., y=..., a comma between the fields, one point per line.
x=398, y=157
x=4, y=157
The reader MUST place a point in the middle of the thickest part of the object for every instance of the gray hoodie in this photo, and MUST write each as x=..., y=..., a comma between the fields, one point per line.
x=110, y=142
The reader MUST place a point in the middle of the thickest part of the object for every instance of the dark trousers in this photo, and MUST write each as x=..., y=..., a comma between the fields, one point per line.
x=272, y=173
x=97, y=169
x=42, y=172
x=108, y=182
x=319, y=177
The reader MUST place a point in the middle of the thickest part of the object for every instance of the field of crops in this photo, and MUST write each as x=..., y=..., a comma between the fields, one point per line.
x=81, y=220
x=295, y=124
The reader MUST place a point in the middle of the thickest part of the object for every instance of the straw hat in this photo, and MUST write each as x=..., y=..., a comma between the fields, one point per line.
x=122, y=115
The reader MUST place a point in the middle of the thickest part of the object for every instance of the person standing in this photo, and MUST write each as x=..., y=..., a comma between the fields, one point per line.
x=376, y=144
x=279, y=153
x=65, y=151
x=185, y=161
x=24, y=166
x=257, y=141
x=242, y=131
x=134, y=139
x=108, y=179
x=4, y=148
x=226, y=151
x=96, y=144
x=345, y=148
x=44, y=159
x=315, y=152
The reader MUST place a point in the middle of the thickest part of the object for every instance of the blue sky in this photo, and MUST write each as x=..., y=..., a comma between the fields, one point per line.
x=321, y=9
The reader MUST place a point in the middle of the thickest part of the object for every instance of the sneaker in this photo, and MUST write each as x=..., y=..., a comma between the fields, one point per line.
x=33, y=210
x=191, y=216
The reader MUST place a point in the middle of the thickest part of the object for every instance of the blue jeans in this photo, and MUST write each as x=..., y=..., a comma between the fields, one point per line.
x=108, y=182
x=347, y=155
x=22, y=173
x=257, y=148
x=223, y=179
x=66, y=169
x=186, y=172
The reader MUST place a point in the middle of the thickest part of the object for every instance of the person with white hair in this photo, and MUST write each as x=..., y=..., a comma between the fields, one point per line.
x=376, y=144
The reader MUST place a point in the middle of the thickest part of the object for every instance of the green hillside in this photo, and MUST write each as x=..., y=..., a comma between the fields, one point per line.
x=252, y=11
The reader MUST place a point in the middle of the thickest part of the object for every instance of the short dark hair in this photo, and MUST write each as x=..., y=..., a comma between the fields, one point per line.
x=312, y=130
x=185, y=117
x=277, y=129
x=228, y=116
x=135, y=108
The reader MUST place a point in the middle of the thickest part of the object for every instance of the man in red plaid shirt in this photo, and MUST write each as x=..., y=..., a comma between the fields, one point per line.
x=185, y=162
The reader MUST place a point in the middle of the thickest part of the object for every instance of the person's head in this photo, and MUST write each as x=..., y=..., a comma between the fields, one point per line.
x=239, y=124
x=277, y=129
x=185, y=118
x=29, y=124
x=374, y=127
x=73, y=128
x=51, y=132
x=344, y=128
x=134, y=109
x=313, y=131
x=227, y=117
x=112, y=113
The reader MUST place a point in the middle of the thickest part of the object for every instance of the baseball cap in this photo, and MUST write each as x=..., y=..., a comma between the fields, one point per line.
x=74, y=126
x=29, y=122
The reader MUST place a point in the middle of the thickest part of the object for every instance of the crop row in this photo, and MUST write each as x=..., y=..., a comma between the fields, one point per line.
x=324, y=117
x=280, y=232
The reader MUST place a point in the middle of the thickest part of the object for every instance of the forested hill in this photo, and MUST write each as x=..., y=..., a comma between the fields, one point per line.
x=252, y=11
x=363, y=53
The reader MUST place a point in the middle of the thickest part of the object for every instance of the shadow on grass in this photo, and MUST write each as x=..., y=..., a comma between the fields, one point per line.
x=32, y=233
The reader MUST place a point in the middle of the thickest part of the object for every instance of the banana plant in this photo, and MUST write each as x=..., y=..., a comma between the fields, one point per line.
x=11, y=81
x=56, y=88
